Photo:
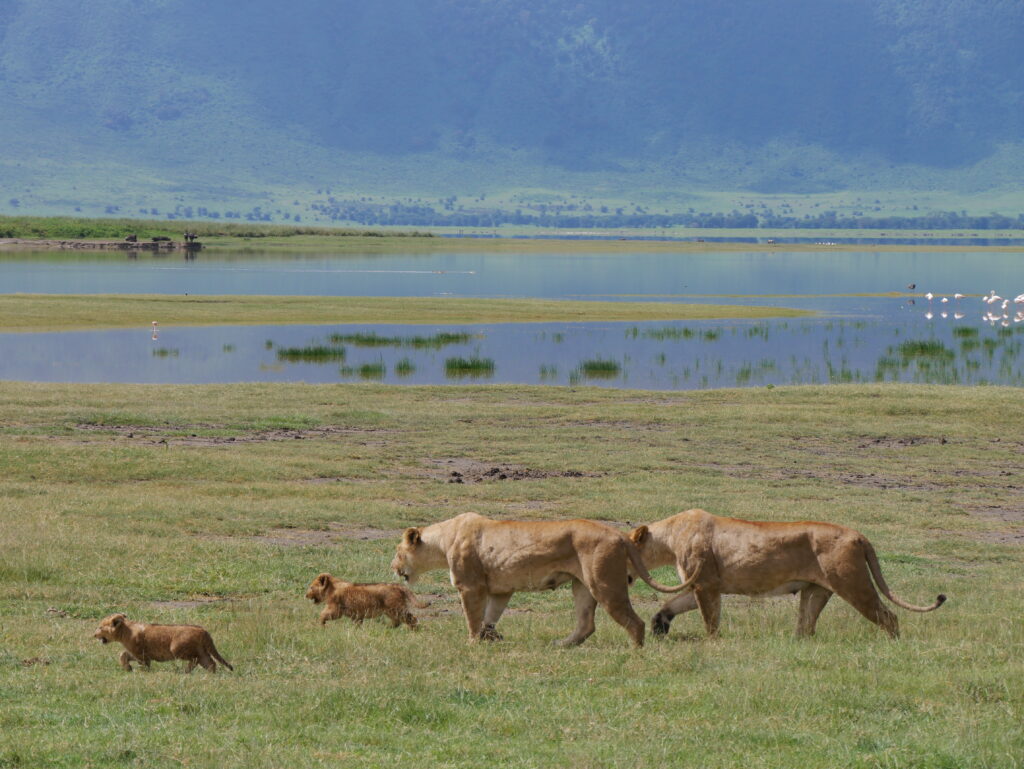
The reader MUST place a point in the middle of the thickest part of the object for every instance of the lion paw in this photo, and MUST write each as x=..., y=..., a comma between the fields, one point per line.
x=660, y=624
x=490, y=634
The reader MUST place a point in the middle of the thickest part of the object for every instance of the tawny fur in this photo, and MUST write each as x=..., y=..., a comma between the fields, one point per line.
x=490, y=560
x=363, y=601
x=732, y=556
x=146, y=643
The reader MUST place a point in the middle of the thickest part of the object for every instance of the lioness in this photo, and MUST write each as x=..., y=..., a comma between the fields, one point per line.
x=737, y=557
x=490, y=560
x=363, y=601
x=160, y=643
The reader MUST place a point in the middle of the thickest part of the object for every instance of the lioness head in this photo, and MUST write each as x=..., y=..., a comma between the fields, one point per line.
x=110, y=628
x=404, y=563
x=318, y=588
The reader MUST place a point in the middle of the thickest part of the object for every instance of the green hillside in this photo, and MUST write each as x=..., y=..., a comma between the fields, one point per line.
x=327, y=109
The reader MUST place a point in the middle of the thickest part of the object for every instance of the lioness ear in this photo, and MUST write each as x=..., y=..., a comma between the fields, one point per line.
x=411, y=536
x=324, y=578
x=118, y=619
x=639, y=534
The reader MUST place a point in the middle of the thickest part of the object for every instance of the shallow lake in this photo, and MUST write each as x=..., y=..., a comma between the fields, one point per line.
x=857, y=338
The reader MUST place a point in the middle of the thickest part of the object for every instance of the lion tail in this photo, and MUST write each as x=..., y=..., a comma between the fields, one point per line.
x=876, y=573
x=641, y=570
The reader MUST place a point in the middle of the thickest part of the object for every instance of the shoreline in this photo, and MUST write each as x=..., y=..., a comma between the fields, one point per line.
x=392, y=242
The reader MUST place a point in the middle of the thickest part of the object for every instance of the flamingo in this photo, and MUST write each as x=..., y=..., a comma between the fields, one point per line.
x=929, y=315
x=929, y=296
x=1019, y=299
x=944, y=300
x=958, y=296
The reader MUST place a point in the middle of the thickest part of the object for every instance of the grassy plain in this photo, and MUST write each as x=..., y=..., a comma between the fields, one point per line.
x=55, y=312
x=218, y=504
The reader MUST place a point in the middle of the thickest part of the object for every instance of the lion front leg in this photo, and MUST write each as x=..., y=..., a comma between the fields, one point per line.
x=677, y=605
x=710, y=604
x=474, y=601
x=496, y=603
x=125, y=658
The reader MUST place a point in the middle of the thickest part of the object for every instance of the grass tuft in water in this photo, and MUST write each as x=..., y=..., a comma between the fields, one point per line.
x=599, y=368
x=472, y=367
x=311, y=354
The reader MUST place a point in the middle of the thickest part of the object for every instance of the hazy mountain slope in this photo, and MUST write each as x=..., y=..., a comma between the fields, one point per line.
x=110, y=98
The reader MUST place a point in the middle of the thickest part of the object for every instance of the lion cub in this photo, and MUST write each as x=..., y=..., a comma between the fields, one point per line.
x=160, y=643
x=363, y=601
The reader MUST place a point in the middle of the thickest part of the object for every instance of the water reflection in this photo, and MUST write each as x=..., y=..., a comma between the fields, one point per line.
x=666, y=356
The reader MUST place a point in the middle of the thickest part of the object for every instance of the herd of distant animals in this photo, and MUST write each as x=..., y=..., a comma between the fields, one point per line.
x=188, y=237
x=489, y=560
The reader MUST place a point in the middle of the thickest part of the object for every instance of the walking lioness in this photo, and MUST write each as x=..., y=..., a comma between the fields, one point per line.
x=490, y=560
x=736, y=557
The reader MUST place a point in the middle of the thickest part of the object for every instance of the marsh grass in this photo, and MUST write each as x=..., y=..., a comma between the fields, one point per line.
x=135, y=499
x=311, y=354
x=599, y=368
x=371, y=339
x=468, y=367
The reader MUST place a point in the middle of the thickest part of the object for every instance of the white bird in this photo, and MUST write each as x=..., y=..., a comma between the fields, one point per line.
x=994, y=298
x=1019, y=299
x=958, y=296
x=943, y=314
x=944, y=300
x=929, y=296
x=1005, y=304
x=958, y=315
x=929, y=315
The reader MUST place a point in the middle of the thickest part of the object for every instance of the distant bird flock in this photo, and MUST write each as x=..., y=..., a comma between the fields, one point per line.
x=999, y=310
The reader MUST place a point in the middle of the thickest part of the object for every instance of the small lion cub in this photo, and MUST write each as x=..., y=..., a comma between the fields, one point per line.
x=363, y=601
x=160, y=643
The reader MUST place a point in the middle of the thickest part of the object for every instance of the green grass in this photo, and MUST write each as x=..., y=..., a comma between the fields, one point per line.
x=468, y=367
x=176, y=504
x=372, y=339
x=600, y=368
x=311, y=354
x=87, y=228
x=49, y=312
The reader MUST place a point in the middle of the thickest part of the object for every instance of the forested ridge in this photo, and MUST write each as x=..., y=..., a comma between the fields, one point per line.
x=769, y=96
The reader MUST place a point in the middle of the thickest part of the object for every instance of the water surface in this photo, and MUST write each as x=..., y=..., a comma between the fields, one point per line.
x=857, y=338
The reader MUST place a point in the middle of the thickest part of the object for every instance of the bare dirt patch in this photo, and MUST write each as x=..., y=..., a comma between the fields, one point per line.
x=188, y=604
x=182, y=435
x=1013, y=535
x=462, y=470
x=332, y=535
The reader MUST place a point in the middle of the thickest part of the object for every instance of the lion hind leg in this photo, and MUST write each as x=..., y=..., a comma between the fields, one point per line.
x=858, y=591
x=812, y=600
x=585, y=608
